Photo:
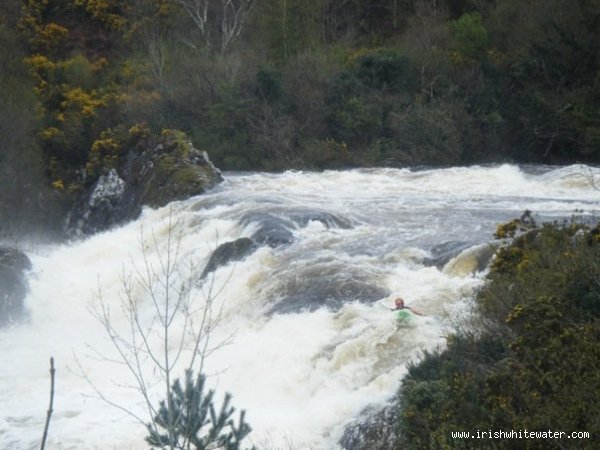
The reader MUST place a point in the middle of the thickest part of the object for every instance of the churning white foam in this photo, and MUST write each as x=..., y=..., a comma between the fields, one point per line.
x=301, y=375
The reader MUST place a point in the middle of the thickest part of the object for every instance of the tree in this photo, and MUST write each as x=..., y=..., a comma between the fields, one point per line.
x=195, y=411
x=470, y=36
x=174, y=336
x=291, y=27
x=221, y=20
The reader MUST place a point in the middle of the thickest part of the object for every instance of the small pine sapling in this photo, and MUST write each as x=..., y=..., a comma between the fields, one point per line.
x=193, y=423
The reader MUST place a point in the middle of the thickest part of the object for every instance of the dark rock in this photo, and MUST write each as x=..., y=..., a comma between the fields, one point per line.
x=273, y=235
x=472, y=260
x=330, y=286
x=102, y=208
x=173, y=170
x=444, y=252
x=13, y=284
x=272, y=230
x=326, y=218
x=332, y=297
x=374, y=429
x=158, y=173
x=276, y=229
x=229, y=252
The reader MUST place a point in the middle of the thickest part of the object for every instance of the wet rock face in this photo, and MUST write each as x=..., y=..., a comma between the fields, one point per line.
x=325, y=291
x=275, y=229
x=303, y=217
x=273, y=233
x=172, y=171
x=102, y=208
x=164, y=172
x=374, y=429
x=13, y=284
x=229, y=252
x=444, y=252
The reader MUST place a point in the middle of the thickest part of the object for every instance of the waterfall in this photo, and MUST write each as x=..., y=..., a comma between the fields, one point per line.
x=308, y=266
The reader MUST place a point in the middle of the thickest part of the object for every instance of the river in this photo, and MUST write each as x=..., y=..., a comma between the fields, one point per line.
x=308, y=338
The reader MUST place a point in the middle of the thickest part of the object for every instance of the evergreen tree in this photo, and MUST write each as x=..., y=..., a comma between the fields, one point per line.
x=188, y=419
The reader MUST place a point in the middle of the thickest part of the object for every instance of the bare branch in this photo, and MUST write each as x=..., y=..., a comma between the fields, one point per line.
x=83, y=373
x=167, y=314
x=225, y=17
x=592, y=179
x=50, y=408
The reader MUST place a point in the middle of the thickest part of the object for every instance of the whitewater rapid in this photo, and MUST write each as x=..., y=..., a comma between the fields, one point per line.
x=311, y=340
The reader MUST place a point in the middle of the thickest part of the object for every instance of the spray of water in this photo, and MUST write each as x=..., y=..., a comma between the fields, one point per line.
x=307, y=307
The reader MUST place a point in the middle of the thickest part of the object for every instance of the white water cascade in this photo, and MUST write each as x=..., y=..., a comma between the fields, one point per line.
x=312, y=339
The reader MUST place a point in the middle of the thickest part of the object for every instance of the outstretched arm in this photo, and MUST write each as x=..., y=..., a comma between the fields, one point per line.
x=414, y=311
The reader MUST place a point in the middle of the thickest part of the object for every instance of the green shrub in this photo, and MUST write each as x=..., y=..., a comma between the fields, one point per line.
x=269, y=84
x=326, y=154
x=426, y=134
x=360, y=99
x=534, y=363
x=385, y=70
x=471, y=38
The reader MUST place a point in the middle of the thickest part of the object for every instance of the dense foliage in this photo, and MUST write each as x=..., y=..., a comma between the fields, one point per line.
x=270, y=84
x=26, y=201
x=534, y=364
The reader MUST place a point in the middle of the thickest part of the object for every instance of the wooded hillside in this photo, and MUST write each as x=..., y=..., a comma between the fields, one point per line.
x=276, y=84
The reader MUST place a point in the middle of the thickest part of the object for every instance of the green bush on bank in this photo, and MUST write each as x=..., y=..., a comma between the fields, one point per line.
x=533, y=365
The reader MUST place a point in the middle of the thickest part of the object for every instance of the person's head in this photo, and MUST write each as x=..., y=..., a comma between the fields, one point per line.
x=399, y=302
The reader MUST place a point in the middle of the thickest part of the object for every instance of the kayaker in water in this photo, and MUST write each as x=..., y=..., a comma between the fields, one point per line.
x=399, y=302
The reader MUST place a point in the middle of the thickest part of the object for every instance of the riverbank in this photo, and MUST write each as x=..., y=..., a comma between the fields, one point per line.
x=328, y=85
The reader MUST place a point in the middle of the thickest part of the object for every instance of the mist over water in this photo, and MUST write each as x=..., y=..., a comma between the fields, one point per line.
x=313, y=340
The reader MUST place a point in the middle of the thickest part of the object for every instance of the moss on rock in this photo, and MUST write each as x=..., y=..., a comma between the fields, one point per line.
x=156, y=170
x=178, y=171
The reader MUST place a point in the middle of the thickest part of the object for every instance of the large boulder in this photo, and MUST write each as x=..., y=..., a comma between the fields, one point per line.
x=13, y=284
x=272, y=230
x=101, y=207
x=172, y=170
x=229, y=252
x=153, y=174
x=374, y=429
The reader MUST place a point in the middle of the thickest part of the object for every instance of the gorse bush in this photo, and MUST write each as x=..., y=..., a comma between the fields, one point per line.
x=393, y=83
x=534, y=365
